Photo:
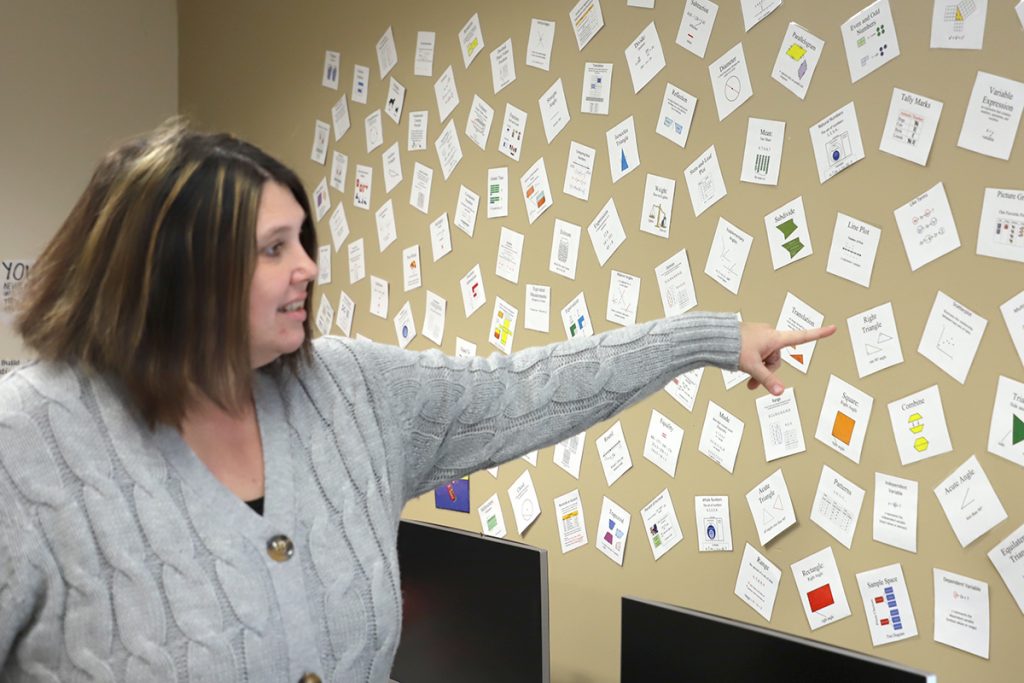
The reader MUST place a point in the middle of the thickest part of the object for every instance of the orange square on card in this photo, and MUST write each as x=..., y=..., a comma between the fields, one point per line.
x=842, y=429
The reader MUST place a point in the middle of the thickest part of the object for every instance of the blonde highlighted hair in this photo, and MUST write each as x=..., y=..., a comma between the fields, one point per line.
x=147, y=281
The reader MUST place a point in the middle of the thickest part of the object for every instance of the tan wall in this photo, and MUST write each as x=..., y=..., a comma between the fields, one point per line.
x=77, y=78
x=254, y=67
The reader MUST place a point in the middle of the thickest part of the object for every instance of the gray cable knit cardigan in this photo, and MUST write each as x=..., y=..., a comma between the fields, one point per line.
x=122, y=558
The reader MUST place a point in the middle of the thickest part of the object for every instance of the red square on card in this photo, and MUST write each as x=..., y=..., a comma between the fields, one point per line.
x=820, y=597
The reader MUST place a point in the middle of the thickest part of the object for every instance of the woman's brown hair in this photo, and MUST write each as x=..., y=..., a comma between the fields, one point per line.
x=147, y=281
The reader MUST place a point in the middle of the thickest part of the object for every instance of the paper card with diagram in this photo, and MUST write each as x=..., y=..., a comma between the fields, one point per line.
x=951, y=336
x=419, y=192
x=568, y=454
x=395, y=100
x=363, y=187
x=927, y=227
x=869, y=37
x=836, y=142
x=440, y=237
x=910, y=126
x=969, y=501
x=894, y=518
x=612, y=530
x=798, y=57
x=417, y=139
x=478, y=122
x=676, y=116
x=696, y=25
x=613, y=453
x=423, y=64
x=538, y=47
x=675, y=284
x=606, y=233
x=853, y=250
x=962, y=618
x=411, y=268
x=554, y=110
x=391, y=161
x=405, y=326
x=503, y=66
x=1006, y=432
x=727, y=257
x=492, y=521
x=356, y=261
x=887, y=605
x=958, y=25
x=565, y=247
x=579, y=170
x=789, y=239
x=836, y=506
x=771, y=507
x=597, y=88
x=523, y=498
x=1001, y=229
x=346, y=311
x=992, y=116
x=497, y=192
x=433, y=317
x=576, y=318
x=513, y=128
x=472, y=287
x=730, y=81
x=324, y=315
x=1013, y=316
x=762, y=153
x=623, y=154
x=756, y=10
x=781, y=432
x=644, y=57
x=720, y=436
x=704, y=181
x=1008, y=559
x=820, y=588
x=844, y=418
x=510, y=255
x=757, y=582
x=572, y=530
x=623, y=298
x=656, y=216
x=683, y=388
x=919, y=426
x=714, y=529
x=875, y=340
x=536, y=190
x=664, y=439
x=797, y=315
x=586, y=20
x=663, y=530
x=538, y=307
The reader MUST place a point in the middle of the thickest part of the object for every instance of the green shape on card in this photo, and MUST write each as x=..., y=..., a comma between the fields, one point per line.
x=787, y=228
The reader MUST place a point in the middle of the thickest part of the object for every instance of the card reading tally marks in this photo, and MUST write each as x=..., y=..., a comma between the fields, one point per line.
x=910, y=126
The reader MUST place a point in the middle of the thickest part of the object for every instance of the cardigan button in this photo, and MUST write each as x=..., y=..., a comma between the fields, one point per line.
x=280, y=548
x=309, y=678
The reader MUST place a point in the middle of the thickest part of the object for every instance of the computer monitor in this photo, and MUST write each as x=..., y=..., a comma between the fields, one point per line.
x=475, y=608
x=667, y=643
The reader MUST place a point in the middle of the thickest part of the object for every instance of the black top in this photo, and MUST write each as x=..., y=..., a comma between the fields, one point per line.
x=256, y=505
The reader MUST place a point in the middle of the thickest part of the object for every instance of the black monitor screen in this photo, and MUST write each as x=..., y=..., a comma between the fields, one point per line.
x=474, y=608
x=666, y=643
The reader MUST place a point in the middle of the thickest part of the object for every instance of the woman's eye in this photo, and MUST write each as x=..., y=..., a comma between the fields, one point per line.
x=273, y=250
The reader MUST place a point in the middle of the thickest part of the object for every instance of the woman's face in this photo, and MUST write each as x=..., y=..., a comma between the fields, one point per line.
x=277, y=302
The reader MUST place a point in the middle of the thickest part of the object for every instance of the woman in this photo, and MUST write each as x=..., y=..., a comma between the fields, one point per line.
x=177, y=381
